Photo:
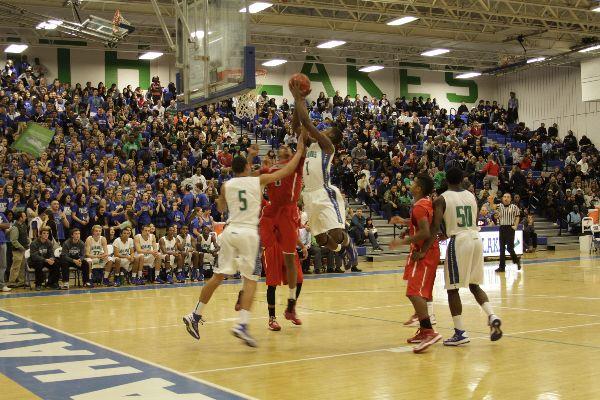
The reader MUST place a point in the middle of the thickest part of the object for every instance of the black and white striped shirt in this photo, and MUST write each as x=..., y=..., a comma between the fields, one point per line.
x=508, y=214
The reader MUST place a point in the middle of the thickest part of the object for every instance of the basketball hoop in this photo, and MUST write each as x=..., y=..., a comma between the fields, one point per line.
x=246, y=102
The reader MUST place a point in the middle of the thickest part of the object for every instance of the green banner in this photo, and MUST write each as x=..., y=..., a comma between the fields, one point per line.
x=33, y=140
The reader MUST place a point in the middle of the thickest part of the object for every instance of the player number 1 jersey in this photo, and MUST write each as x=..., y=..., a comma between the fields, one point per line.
x=461, y=212
x=244, y=197
x=316, y=168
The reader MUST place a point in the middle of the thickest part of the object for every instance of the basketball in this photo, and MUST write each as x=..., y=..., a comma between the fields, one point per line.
x=302, y=81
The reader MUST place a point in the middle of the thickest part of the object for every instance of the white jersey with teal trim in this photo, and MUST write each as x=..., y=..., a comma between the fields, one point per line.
x=170, y=245
x=461, y=212
x=244, y=198
x=125, y=249
x=96, y=247
x=316, y=168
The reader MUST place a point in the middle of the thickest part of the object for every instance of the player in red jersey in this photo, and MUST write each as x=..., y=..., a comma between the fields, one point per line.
x=275, y=268
x=282, y=218
x=421, y=266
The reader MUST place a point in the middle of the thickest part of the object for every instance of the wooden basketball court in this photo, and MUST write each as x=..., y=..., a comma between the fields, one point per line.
x=352, y=344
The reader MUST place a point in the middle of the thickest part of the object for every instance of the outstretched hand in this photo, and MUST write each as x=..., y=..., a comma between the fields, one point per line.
x=296, y=92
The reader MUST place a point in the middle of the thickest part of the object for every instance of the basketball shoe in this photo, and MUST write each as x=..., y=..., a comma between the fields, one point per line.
x=290, y=312
x=429, y=337
x=419, y=336
x=273, y=324
x=241, y=331
x=191, y=322
x=459, y=338
x=412, y=321
x=495, y=332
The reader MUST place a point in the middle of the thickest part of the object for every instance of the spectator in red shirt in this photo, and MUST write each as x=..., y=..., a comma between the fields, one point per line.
x=225, y=157
x=525, y=163
x=491, y=171
x=476, y=129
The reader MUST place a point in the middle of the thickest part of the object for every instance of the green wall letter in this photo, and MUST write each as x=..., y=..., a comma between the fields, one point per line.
x=319, y=76
x=458, y=98
x=112, y=64
x=354, y=75
x=63, y=59
x=406, y=80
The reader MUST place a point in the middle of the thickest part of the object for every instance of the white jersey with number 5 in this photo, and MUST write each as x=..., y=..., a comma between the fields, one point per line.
x=316, y=168
x=244, y=198
x=461, y=212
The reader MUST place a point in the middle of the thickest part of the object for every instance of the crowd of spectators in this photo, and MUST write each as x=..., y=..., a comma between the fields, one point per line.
x=129, y=159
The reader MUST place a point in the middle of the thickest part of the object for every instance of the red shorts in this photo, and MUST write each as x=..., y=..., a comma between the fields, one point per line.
x=274, y=265
x=421, y=275
x=283, y=222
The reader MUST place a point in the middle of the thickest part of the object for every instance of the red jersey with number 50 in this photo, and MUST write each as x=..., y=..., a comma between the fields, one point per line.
x=285, y=191
x=422, y=209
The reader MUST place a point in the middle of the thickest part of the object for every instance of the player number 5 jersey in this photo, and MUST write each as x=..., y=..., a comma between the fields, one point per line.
x=244, y=197
x=461, y=212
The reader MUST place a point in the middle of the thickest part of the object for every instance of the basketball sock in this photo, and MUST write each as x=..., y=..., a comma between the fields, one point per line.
x=430, y=308
x=487, y=307
x=106, y=274
x=244, y=317
x=425, y=323
x=338, y=248
x=292, y=295
x=134, y=274
x=271, y=300
x=298, y=289
x=198, y=310
x=458, y=322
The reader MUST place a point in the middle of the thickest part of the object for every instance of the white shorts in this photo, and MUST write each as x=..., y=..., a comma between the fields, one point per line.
x=326, y=209
x=148, y=260
x=97, y=263
x=464, y=261
x=124, y=263
x=239, y=249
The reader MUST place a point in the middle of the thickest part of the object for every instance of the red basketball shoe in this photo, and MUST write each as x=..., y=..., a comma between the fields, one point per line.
x=429, y=337
x=273, y=324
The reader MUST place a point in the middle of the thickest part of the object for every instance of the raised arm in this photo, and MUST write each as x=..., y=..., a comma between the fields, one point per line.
x=289, y=168
x=301, y=112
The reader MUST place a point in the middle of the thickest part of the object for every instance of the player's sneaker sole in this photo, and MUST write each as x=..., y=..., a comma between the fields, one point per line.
x=427, y=342
x=192, y=327
x=241, y=333
x=453, y=342
x=495, y=331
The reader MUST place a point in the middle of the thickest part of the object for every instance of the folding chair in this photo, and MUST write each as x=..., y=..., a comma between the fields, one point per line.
x=595, y=247
x=586, y=224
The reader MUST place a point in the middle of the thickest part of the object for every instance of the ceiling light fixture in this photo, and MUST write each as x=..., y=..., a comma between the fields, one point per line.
x=331, y=44
x=274, y=63
x=468, y=75
x=150, y=55
x=592, y=48
x=435, y=52
x=16, y=48
x=371, y=68
x=534, y=60
x=257, y=7
x=402, y=21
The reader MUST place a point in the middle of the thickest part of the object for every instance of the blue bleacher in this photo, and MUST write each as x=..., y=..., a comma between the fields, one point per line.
x=555, y=163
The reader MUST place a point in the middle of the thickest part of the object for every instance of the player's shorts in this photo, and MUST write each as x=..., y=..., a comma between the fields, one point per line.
x=464, y=261
x=274, y=264
x=168, y=258
x=239, y=251
x=97, y=262
x=420, y=275
x=123, y=263
x=325, y=208
x=284, y=222
x=148, y=260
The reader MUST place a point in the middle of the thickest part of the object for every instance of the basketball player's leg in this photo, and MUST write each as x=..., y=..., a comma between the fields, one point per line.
x=454, y=269
x=272, y=261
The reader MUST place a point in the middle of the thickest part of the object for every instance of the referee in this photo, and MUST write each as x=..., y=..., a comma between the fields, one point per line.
x=509, y=221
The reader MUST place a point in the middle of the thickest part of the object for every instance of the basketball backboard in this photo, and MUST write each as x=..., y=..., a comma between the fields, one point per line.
x=213, y=59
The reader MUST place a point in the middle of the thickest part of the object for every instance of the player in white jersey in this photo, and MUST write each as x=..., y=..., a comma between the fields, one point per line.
x=208, y=247
x=241, y=197
x=187, y=247
x=97, y=256
x=323, y=202
x=463, y=267
x=146, y=249
x=124, y=253
x=170, y=255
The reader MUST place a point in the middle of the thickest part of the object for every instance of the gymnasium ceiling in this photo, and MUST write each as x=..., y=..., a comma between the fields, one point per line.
x=480, y=33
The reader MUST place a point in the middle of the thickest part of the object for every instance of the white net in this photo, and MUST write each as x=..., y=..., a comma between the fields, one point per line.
x=245, y=103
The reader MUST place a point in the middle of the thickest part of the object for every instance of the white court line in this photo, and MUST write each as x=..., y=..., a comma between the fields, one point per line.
x=401, y=349
x=523, y=309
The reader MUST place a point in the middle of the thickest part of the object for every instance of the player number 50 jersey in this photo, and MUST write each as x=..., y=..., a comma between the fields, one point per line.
x=461, y=212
